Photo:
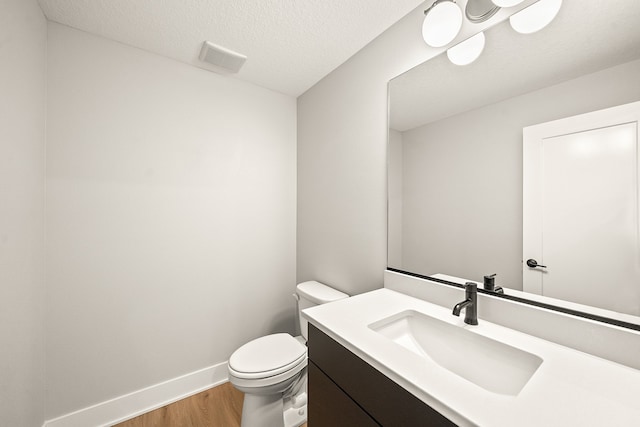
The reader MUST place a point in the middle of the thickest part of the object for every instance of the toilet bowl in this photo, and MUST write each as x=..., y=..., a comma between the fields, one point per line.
x=271, y=370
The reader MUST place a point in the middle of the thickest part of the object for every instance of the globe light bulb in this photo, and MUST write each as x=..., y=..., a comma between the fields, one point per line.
x=468, y=51
x=535, y=17
x=442, y=23
x=507, y=3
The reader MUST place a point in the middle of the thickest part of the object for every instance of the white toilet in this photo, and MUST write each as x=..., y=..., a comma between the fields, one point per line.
x=272, y=370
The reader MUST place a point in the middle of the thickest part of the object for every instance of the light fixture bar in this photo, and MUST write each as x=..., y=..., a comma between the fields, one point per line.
x=478, y=11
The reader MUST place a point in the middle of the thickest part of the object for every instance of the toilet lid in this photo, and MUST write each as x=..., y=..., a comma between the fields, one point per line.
x=267, y=356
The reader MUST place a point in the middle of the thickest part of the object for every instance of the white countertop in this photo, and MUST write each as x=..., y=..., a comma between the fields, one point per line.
x=570, y=388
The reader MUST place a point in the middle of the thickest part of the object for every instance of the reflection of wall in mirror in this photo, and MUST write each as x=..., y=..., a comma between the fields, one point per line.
x=462, y=178
x=394, y=202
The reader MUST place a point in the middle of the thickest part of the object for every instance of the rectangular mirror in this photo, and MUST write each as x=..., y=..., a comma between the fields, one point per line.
x=457, y=192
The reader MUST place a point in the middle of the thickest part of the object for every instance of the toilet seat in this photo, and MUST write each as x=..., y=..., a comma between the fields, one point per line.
x=268, y=356
x=268, y=385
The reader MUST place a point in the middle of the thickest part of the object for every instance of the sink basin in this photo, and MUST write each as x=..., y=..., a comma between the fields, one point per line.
x=487, y=363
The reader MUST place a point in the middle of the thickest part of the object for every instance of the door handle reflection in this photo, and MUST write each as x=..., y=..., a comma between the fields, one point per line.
x=532, y=263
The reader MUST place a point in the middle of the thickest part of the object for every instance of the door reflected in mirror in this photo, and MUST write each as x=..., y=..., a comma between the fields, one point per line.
x=456, y=186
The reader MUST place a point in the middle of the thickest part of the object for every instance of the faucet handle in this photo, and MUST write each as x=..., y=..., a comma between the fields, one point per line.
x=490, y=281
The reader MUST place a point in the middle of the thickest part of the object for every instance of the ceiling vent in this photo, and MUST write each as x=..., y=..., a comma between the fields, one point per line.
x=221, y=57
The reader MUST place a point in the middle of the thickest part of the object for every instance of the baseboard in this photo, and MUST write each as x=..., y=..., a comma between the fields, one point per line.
x=133, y=404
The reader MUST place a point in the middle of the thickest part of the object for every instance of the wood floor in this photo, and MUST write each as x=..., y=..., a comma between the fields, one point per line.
x=217, y=407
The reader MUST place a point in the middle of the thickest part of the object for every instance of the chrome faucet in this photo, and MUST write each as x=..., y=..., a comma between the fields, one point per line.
x=470, y=304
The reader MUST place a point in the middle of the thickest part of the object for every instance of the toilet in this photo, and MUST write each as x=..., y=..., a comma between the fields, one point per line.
x=272, y=370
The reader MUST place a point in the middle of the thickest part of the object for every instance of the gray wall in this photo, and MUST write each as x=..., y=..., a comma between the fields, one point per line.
x=462, y=180
x=342, y=159
x=22, y=147
x=170, y=218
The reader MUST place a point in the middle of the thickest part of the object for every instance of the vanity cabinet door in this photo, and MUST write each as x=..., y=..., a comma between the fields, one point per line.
x=331, y=407
x=385, y=401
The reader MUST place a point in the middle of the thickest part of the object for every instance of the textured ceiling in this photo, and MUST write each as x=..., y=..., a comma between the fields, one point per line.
x=290, y=44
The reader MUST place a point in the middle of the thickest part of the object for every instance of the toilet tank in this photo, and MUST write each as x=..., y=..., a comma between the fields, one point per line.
x=313, y=293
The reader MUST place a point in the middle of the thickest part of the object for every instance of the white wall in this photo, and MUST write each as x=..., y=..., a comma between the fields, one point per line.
x=22, y=147
x=342, y=158
x=474, y=175
x=171, y=218
x=342, y=154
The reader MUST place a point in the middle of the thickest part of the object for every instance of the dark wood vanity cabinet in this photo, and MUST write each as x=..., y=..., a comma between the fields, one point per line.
x=344, y=390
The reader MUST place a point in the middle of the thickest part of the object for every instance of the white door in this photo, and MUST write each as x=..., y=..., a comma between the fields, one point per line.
x=580, y=209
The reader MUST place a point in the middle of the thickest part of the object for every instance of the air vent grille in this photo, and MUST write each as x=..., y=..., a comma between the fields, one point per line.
x=222, y=57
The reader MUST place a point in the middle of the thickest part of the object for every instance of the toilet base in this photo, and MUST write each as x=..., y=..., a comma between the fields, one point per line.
x=268, y=410
x=295, y=417
x=262, y=410
x=295, y=406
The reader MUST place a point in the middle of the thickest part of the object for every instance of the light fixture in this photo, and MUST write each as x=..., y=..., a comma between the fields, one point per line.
x=468, y=51
x=442, y=23
x=535, y=17
x=507, y=3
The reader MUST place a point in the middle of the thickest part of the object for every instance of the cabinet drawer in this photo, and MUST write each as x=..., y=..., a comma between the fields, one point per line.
x=387, y=402
x=331, y=407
